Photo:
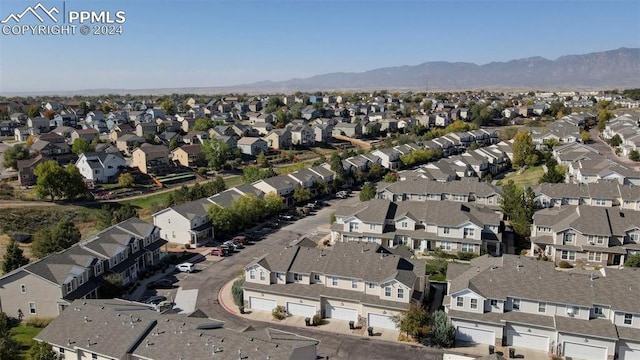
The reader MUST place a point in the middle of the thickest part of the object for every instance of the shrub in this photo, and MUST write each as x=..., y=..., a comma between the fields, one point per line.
x=236, y=291
x=316, y=320
x=564, y=264
x=38, y=322
x=202, y=170
x=279, y=312
x=466, y=256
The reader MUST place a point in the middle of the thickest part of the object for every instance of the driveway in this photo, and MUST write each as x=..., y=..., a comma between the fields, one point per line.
x=215, y=274
x=608, y=152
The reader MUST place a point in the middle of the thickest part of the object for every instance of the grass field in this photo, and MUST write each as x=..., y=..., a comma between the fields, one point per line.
x=529, y=177
x=232, y=181
x=24, y=336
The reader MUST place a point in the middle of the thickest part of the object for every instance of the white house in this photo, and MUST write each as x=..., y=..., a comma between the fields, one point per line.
x=101, y=167
x=186, y=224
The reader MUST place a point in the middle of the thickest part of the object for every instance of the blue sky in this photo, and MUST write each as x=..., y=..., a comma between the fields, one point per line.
x=186, y=43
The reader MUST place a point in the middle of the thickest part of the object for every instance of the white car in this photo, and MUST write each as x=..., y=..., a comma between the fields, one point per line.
x=186, y=267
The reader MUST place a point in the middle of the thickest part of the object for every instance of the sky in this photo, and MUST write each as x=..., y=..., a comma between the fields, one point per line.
x=187, y=43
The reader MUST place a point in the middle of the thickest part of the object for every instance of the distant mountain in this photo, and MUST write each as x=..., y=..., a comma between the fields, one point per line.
x=609, y=69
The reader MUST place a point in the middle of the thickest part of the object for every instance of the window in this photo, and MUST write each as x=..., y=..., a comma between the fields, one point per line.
x=371, y=285
x=297, y=277
x=598, y=311
x=279, y=276
x=459, y=301
x=569, y=238
x=494, y=303
x=400, y=293
x=354, y=226
x=94, y=356
x=262, y=277
x=568, y=255
x=468, y=248
x=595, y=256
x=252, y=274
x=80, y=279
x=458, y=198
x=69, y=287
x=446, y=230
x=628, y=318
x=468, y=232
x=372, y=226
x=334, y=281
x=387, y=291
x=61, y=351
x=446, y=245
x=404, y=224
x=634, y=237
x=542, y=307
x=516, y=304
x=490, y=200
x=316, y=277
x=572, y=310
x=23, y=288
x=474, y=303
x=98, y=268
x=354, y=283
x=32, y=308
x=601, y=202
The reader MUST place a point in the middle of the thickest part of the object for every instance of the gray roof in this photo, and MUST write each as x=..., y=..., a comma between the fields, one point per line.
x=193, y=209
x=60, y=267
x=423, y=186
x=589, y=220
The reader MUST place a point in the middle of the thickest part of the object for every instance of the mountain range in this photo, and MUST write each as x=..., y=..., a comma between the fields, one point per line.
x=599, y=70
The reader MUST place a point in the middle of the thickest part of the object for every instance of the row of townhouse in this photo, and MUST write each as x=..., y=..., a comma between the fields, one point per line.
x=361, y=282
x=529, y=304
x=116, y=329
x=560, y=131
x=47, y=286
x=419, y=189
x=607, y=193
x=626, y=126
x=586, y=165
x=421, y=225
x=593, y=235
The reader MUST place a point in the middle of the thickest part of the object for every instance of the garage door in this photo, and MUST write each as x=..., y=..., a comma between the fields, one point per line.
x=629, y=354
x=341, y=313
x=380, y=321
x=474, y=335
x=301, y=309
x=262, y=304
x=574, y=351
x=528, y=341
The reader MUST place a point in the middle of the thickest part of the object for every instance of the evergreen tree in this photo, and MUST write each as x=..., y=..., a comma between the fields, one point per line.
x=13, y=257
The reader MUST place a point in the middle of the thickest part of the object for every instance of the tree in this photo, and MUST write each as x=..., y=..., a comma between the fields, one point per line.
x=413, y=321
x=50, y=180
x=203, y=124
x=41, y=350
x=634, y=155
x=13, y=154
x=213, y=187
x=9, y=347
x=522, y=149
x=442, y=333
x=633, y=260
x=252, y=173
x=261, y=160
x=13, y=257
x=390, y=177
x=124, y=212
x=224, y=220
x=273, y=203
x=375, y=171
x=368, y=192
x=249, y=209
x=216, y=152
x=335, y=163
x=173, y=144
x=125, y=180
x=74, y=186
x=81, y=146
x=237, y=292
x=33, y=111
x=111, y=286
x=585, y=135
x=615, y=141
x=302, y=195
x=47, y=241
x=169, y=107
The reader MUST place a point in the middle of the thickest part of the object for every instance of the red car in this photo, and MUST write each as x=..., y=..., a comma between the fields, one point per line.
x=218, y=251
x=241, y=239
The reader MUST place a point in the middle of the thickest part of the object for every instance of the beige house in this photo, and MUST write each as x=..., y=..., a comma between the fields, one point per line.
x=363, y=283
x=151, y=159
x=126, y=143
x=279, y=139
x=188, y=155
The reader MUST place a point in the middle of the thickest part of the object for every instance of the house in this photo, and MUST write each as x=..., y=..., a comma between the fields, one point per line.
x=64, y=131
x=186, y=224
x=8, y=127
x=309, y=113
x=120, y=329
x=120, y=130
x=101, y=167
x=151, y=159
x=229, y=140
x=58, y=151
x=420, y=225
x=88, y=134
x=225, y=199
x=279, y=139
x=281, y=185
x=305, y=178
x=195, y=137
x=128, y=142
x=302, y=135
x=21, y=134
x=263, y=128
x=592, y=235
x=366, y=284
x=42, y=124
x=467, y=190
x=189, y=155
x=527, y=304
x=322, y=133
x=25, y=170
x=348, y=129
x=46, y=287
x=146, y=129
x=390, y=158
x=252, y=146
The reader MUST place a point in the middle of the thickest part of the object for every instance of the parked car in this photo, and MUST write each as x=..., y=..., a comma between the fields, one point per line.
x=286, y=217
x=310, y=206
x=241, y=239
x=155, y=300
x=272, y=224
x=233, y=245
x=164, y=306
x=160, y=284
x=342, y=194
x=186, y=267
x=219, y=251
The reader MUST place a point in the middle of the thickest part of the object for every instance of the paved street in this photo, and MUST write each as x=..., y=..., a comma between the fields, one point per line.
x=608, y=152
x=213, y=275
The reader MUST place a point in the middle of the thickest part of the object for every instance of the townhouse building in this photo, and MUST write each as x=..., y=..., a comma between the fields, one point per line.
x=419, y=189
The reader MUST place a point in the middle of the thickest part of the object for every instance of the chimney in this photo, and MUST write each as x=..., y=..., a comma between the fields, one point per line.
x=88, y=342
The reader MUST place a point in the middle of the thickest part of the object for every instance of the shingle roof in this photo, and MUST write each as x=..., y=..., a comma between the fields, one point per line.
x=193, y=209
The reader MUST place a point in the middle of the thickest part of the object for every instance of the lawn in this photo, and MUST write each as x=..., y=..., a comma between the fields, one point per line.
x=148, y=205
x=24, y=336
x=529, y=177
x=232, y=181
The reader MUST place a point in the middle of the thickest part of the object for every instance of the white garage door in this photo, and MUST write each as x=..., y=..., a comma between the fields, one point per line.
x=528, y=341
x=301, y=309
x=380, y=321
x=474, y=335
x=629, y=354
x=573, y=351
x=262, y=304
x=341, y=313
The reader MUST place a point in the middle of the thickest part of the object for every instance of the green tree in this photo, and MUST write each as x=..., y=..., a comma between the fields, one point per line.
x=252, y=173
x=125, y=180
x=368, y=192
x=442, y=333
x=335, y=163
x=9, y=347
x=168, y=106
x=413, y=321
x=249, y=209
x=173, y=144
x=13, y=154
x=81, y=146
x=111, y=286
x=213, y=187
x=47, y=241
x=261, y=160
x=216, y=152
x=50, y=180
x=585, y=136
x=633, y=260
x=302, y=195
x=13, y=257
x=124, y=212
x=224, y=220
x=237, y=292
x=375, y=171
x=522, y=149
x=33, y=111
x=634, y=155
x=203, y=124
x=511, y=198
x=273, y=203
x=615, y=141
x=41, y=350
x=390, y=177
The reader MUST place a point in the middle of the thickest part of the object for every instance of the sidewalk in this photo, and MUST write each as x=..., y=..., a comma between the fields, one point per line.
x=329, y=325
